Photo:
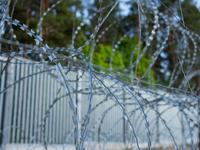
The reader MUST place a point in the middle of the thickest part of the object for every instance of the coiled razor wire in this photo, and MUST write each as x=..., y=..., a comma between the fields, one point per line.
x=134, y=103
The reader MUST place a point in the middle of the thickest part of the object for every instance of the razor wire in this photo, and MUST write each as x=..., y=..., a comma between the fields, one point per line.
x=127, y=99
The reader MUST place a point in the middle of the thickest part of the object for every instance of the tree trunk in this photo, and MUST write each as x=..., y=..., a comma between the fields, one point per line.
x=45, y=31
x=27, y=22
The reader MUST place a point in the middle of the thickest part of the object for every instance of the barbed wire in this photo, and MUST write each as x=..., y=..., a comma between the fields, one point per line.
x=133, y=98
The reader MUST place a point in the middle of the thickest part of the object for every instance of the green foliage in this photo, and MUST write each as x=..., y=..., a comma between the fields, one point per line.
x=125, y=51
x=32, y=18
x=57, y=30
x=191, y=15
x=121, y=57
x=101, y=57
x=59, y=23
x=58, y=26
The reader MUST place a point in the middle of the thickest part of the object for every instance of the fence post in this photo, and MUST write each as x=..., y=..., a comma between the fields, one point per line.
x=7, y=103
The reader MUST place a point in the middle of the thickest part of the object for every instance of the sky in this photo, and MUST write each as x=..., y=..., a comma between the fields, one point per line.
x=198, y=3
x=125, y=7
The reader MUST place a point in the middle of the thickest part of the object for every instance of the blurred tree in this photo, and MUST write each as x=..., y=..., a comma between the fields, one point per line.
x=125, y=52
x=113, y=16
x=57, y=25
x=60, y=24
x=121, y=57
x=101, y=57
x=27, y=11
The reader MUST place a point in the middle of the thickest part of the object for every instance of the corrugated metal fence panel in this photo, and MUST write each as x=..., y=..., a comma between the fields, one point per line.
x=35, y=91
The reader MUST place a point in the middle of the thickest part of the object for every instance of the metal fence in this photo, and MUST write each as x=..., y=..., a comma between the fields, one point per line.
x=28, y=91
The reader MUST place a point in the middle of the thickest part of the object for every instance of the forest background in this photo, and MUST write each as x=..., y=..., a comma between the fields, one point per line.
x=57, y=31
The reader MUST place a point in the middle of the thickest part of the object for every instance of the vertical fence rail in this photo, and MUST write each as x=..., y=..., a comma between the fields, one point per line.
x=3, y=78
x=24, y=101
x=28, y=105
x=8, y=102
x=44, y=101
x=47, y=106
x=52, y=111
x=32, y=102
x=40, y=102
x=20, y=104
x=36, y=110
x=15, y=127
